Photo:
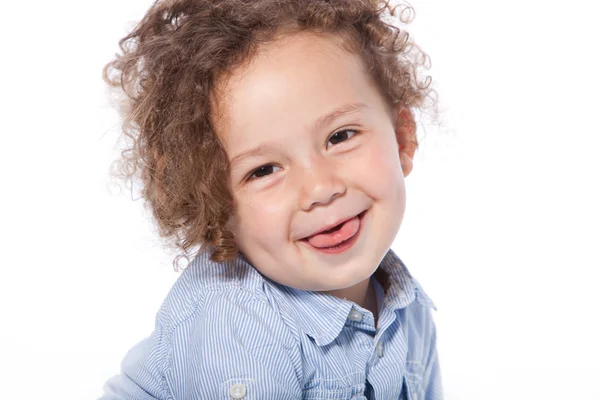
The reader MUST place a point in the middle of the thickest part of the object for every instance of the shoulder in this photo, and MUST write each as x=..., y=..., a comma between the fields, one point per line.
x=419, y=318
x=225, y=297
x=219, y=331
x=422, y=298
x=203, y=281
x=225, y=328
x=407, y=294
x=422, y=370
x=419, y=312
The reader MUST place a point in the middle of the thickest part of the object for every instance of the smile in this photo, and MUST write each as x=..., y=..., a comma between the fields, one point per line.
x=338, y=239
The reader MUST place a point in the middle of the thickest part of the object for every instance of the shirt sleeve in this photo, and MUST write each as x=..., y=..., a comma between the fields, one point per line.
x=432, y=378
x=142, y=372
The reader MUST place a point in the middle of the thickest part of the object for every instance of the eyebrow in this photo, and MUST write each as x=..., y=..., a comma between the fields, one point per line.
x=337, y=113
x=255, y=152
x=319, y=124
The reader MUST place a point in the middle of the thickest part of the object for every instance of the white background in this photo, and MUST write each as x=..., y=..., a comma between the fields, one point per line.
x=502, y=224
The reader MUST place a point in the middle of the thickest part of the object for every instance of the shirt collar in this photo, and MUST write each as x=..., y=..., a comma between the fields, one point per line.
x=323, y=316
x=400, y=287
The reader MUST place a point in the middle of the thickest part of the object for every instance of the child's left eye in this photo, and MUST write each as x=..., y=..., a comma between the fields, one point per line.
x=341, y=136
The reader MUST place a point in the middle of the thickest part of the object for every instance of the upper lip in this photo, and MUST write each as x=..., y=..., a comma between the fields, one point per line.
x=332, y=225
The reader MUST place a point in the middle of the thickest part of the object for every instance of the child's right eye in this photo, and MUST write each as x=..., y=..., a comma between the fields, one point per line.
x=262, y=171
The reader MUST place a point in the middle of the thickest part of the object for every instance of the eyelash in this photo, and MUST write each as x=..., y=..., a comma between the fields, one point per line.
x=251, y=175
x=343, y=130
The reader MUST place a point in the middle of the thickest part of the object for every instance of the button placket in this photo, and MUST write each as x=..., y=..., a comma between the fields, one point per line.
x=379, y=349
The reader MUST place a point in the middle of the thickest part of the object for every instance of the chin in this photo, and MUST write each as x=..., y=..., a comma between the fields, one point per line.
x=351, y=277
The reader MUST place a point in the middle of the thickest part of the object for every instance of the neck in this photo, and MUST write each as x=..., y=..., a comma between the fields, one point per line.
x=371, y=302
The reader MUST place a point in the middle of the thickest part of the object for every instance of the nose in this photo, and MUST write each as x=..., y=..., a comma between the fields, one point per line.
x=320, y=184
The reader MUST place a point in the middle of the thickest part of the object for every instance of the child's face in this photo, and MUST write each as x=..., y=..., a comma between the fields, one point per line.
x=294, y=174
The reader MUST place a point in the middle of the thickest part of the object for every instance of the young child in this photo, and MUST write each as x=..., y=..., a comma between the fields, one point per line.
x=272, y=138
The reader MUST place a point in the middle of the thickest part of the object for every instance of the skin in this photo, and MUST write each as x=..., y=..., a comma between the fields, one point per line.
x=291, y=177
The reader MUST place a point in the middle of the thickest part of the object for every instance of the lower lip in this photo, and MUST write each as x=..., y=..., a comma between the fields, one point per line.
x=343, y=246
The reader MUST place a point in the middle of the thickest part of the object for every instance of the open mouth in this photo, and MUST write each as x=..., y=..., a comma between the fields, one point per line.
x=339, y=238
x=335, y=228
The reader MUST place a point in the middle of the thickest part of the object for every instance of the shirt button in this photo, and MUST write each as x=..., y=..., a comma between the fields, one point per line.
x=379, y=349
x=237, y=391
x=355, y=315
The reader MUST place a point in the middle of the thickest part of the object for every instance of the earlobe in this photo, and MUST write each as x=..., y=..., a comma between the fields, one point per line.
x=406, y=138
x=406, y=163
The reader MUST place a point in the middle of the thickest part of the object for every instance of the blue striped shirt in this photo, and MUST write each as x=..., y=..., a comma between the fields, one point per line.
x=227, y=332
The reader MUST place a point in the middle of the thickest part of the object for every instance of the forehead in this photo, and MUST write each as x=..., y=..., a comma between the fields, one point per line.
x=289, y=84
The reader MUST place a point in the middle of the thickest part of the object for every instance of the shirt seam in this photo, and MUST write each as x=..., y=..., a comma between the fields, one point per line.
x=167, y=334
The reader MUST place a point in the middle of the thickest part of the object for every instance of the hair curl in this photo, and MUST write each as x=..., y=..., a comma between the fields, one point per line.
x=170, y=66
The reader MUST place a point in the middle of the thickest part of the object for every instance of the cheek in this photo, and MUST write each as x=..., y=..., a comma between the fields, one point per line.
x=381, y=172
x=260, y=218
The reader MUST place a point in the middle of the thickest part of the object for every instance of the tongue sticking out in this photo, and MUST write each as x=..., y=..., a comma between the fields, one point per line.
x=334, y=237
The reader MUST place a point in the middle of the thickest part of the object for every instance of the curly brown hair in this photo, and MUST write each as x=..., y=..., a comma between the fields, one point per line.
x=169, y=70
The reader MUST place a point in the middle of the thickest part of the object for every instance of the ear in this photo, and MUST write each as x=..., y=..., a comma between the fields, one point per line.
x=406, y=137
